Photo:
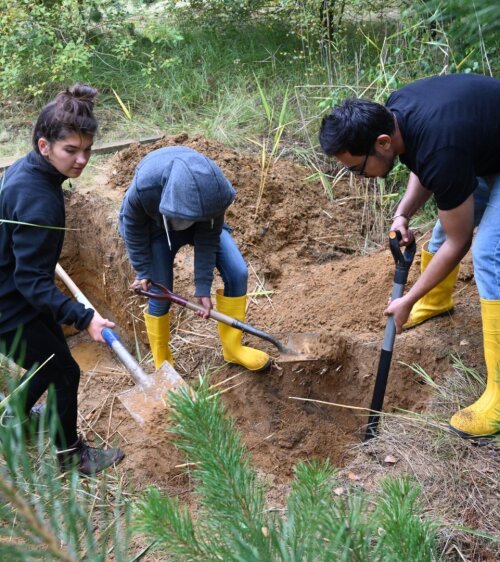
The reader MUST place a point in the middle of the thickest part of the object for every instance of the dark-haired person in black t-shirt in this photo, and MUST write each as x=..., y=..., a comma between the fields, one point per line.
x=446, y=130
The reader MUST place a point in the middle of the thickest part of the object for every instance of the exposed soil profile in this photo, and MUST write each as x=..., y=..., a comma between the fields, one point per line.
x=304, y=250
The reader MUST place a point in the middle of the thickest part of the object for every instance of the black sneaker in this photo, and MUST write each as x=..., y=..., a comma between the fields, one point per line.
x=35, y=414
x=37, y=411
x=88, y=460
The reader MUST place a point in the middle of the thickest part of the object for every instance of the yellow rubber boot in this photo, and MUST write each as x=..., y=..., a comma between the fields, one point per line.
x=158, y=329
x=483, y=417
x=437, y=301
x=250, y=358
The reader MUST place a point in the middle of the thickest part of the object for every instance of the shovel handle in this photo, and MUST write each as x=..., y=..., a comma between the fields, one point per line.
x=135, y=370
x=110, y=337
x=230, y=321
x=402, y=260
x=168, y=295
x=73, y=289
x=403, y=263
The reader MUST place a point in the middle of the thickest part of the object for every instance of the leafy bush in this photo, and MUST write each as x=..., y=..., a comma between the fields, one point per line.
x=215, y=12
x=473, y=28
x=47, y=43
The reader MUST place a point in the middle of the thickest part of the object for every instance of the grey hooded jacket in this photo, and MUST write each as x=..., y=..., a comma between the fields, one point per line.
x=177, y=183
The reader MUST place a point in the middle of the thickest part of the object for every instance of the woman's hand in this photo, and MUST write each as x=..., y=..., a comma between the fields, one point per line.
x=97, y=325
x=400, y=310
x=206, y=302
x=143, y=284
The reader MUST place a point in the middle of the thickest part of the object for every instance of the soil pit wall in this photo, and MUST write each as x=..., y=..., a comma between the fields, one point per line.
x=311, y=288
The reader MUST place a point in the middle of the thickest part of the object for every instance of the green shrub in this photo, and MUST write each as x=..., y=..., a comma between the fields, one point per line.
x=46, y=44
x=473, y=29
x=214, y=12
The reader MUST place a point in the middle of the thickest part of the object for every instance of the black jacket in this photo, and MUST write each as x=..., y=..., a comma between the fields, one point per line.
x=31, y=192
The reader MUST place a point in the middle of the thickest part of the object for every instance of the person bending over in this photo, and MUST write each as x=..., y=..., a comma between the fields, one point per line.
x=446, y=130
x=177, y=197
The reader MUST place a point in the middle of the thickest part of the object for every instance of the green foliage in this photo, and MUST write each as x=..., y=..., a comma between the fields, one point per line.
x=233, y=524
x=215, y=12
x=270, y=143
x=45, y=516
x=323, y=13
x=472, y=26
x=205, y=82
x=46, y=44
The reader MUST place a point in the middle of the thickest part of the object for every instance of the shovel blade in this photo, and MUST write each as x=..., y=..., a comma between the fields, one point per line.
x=147, y=404
x=301, y=347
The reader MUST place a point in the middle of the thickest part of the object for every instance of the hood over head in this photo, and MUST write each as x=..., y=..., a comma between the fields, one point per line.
x=196, y=189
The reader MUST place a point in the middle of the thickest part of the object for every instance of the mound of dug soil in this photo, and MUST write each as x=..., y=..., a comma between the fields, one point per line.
x=306, y=276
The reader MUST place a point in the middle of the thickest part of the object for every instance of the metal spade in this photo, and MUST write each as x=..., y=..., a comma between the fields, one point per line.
x=147, y=399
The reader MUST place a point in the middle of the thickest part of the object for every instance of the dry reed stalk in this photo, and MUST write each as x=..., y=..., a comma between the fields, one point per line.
x=198, y=334
x=110, y=417
x=91, y=428
x=227, y=380
x=125, y=440
x=103, y=403
x=186, y=341
x=227, y=389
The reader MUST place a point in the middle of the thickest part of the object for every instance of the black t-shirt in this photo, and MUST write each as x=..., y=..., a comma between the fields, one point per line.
x=451, y=131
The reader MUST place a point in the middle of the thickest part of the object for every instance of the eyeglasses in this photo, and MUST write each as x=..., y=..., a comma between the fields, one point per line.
x=354, y=169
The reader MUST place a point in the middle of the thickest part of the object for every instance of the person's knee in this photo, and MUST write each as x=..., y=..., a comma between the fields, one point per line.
x=482, y=252
x=72, y=373
x=157, y=307
x=237, y=282
x=486, y=260
x=241, y=276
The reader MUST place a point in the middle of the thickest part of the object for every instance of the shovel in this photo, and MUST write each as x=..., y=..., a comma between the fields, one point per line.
x=147, y=399
x=403, y=264
x=299, y=347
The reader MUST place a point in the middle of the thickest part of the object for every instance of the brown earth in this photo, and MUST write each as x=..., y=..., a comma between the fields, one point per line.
x=305, y=250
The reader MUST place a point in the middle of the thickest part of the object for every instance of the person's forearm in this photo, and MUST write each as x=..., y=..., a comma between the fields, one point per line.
x=415, y=196
x=138, y=244
x=206, y=245
x=458, y=225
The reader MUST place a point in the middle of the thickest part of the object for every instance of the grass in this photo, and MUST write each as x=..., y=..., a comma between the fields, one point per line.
x=220, y=84
x=457, y=476
x=49, y=516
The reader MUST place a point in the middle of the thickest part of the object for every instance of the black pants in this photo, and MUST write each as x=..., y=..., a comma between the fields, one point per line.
x=40, y=338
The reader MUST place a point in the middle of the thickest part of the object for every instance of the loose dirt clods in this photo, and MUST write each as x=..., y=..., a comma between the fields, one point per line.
x=307, y=265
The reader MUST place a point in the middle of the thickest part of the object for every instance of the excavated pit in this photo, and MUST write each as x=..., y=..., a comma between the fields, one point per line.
x=303, y=249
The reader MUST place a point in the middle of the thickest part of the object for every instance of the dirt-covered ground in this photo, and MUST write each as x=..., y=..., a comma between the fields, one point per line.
x=308, y=274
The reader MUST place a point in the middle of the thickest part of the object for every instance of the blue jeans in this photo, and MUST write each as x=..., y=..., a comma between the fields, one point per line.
x=486, y=246
x=229, y=263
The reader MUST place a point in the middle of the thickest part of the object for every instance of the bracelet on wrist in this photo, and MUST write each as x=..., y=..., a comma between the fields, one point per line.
x=401, y=215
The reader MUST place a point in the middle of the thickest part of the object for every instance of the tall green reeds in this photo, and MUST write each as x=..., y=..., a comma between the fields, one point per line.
x=45, y=515
x=270, y=142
